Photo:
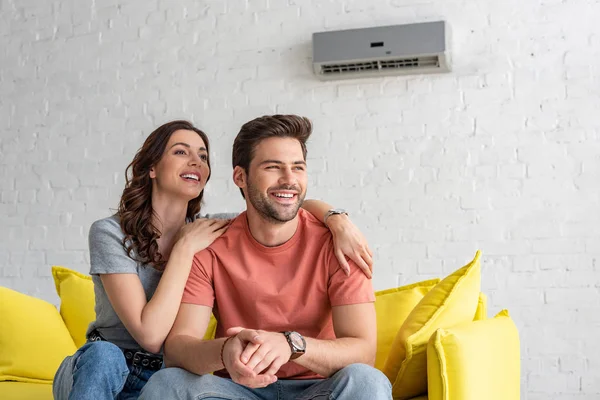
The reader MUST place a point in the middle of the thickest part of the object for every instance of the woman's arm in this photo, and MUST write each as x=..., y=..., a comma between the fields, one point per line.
x=149, y=322
x=348, y=241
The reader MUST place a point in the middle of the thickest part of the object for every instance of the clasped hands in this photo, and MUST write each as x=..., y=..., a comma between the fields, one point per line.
x=253, y=357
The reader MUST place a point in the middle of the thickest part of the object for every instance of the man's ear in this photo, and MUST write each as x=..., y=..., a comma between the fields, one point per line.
x=239, y=177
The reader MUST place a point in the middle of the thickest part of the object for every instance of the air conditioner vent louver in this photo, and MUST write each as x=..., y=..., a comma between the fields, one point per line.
x=419, y=48
x=378, y=65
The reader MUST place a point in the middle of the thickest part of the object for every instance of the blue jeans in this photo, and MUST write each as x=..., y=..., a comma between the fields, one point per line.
x=98, y=371
x=354, y=382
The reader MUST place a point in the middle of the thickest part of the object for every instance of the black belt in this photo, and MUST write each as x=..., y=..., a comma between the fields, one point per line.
x=136, y=358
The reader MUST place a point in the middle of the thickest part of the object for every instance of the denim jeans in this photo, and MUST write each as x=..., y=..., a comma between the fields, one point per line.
x=354, y=382
x=98, y=371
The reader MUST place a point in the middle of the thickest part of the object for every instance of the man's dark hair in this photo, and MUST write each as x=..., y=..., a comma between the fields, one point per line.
x=265, y=127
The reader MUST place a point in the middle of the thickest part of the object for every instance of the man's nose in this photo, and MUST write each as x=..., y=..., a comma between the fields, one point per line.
x=287, y=175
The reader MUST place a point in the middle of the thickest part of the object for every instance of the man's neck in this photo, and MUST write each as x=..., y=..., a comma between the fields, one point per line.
x=268, y=232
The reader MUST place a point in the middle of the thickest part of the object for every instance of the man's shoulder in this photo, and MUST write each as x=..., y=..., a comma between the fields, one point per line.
x=227, y=240
x=313, y=228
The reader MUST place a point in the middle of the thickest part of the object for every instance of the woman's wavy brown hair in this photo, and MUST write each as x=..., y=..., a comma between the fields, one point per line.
x=135, y=208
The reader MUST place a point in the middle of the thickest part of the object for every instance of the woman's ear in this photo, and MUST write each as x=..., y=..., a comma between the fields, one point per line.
x=152, y=173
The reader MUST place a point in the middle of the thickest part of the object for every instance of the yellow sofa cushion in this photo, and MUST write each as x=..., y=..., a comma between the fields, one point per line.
x=25, y=391
x=33, y=338
x=76, y=292
x=460, y=361
x=211, y=330
x=392, y=306
x=481, y=312
x=452, y=301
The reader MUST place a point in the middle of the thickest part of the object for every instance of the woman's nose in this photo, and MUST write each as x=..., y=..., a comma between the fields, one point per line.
x=194, y=159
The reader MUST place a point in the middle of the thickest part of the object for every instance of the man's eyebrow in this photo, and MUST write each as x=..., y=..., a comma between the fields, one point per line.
x=187, y=145
x=281, y=162
x=271, y=162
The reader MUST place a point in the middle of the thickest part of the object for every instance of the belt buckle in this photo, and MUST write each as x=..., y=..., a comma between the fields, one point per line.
x=95, y=337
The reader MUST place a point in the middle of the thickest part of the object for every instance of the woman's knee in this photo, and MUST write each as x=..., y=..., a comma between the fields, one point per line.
x=103, y=357
x=105, y=350
x=95, y=364
x=63, y=379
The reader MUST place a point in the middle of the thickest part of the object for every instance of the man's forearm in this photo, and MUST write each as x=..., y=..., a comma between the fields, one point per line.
x=326, y=357
x=193, y=354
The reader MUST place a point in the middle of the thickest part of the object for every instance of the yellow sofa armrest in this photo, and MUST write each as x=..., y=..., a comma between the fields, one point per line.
x=474, y=361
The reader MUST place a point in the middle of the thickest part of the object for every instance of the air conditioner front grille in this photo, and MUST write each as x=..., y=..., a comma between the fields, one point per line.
x=378, y=65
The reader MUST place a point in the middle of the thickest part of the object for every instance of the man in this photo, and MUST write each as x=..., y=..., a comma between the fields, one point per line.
x=291, y=323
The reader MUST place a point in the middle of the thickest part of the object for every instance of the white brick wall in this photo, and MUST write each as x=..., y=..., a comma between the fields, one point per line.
x=502, y=154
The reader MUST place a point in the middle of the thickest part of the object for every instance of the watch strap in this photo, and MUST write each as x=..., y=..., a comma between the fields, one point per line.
x=333, y=211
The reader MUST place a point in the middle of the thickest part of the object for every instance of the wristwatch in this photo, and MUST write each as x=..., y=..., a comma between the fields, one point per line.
x=333, y=211
x=296, y=342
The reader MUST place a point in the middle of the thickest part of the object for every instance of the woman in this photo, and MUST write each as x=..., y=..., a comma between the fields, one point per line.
x=141, y=257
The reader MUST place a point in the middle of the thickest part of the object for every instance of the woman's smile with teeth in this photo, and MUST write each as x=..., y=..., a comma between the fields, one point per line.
x=191, y=176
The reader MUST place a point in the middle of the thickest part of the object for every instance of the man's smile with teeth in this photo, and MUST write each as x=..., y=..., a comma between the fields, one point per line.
x=284, y=195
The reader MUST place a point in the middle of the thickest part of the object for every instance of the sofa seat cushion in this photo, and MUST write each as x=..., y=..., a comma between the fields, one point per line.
x=25, y=391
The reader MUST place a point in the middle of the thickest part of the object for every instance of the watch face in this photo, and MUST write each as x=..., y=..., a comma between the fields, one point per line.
x=297, y=341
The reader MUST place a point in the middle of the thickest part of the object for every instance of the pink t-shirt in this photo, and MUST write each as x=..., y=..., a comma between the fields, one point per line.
x=291, y=287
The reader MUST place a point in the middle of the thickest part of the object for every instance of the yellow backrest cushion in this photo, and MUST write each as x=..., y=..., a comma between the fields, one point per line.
x=481, y=312
x=392, y=306
x=76, y=292
x=476, y=360
x=451, y=302
x=33, y=338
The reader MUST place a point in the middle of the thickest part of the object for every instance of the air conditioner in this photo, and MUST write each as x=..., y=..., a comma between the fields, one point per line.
x=387, y=50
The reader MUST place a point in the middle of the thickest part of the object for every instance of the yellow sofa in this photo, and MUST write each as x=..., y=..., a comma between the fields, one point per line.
x=422, y=349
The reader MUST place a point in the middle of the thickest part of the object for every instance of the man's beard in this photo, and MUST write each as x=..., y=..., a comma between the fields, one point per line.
x=272, y=211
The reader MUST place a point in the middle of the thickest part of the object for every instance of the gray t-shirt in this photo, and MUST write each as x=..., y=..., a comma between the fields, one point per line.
x=107, y=256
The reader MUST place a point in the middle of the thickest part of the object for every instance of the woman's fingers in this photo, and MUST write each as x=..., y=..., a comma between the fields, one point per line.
x=366, y=255
x=221, y=226
x=358, y=260
x=369, y=251
x=342, y=260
